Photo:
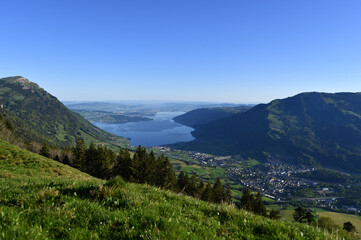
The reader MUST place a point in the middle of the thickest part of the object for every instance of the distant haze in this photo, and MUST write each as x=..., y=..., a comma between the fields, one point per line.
x=213, y=51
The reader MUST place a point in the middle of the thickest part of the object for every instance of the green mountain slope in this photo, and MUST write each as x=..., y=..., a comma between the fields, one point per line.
x=317, y=128
x=39, y=116
x=43, y=199
x=206, y=115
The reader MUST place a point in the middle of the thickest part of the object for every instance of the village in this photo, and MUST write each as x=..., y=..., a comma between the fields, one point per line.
x=277, y=178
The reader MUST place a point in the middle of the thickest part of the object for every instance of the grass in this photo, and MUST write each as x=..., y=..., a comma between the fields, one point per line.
x=338, y=218
x=43, y=199
x=341, y=218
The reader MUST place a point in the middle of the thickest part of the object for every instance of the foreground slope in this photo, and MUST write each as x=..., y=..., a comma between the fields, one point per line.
x=316, y=128
x=43, y=199
x=39, y=116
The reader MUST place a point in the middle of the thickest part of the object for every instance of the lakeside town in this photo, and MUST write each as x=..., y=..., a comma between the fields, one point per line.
x=278, y=178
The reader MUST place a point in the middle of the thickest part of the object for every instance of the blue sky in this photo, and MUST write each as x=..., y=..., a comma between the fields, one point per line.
x=222, y=51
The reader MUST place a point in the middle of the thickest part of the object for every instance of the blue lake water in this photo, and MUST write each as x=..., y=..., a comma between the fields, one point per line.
x=162, y=130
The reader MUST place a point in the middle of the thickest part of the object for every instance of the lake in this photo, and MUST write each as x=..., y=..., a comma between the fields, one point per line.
x=162, y=130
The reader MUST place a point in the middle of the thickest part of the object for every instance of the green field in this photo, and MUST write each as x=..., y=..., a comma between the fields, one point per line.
x=43, y=199
x=338, y=218
x=341, y=218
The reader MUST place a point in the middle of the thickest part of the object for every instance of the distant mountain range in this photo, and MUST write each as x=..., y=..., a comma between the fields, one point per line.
x=142, y=108
x=109, y=117
x=314, y=128
x=39, y=116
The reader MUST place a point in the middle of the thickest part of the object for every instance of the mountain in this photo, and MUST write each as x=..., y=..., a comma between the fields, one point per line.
x=206, y=115
x=39, y=116
x=314, y=128
x=44, y=199
x=7, y=131
x=143, y=108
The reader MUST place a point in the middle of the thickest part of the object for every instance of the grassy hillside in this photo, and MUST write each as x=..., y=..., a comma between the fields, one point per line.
x=39, y=116
x=316, y=128
x=341, y=218
x=43, y=199
x=338, y=218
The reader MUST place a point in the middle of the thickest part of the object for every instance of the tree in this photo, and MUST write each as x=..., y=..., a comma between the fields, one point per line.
x=166, y=175
x=259, y=207
x=228, y=195
x=193, y=186
x=200, y=189
x=207, y=194
x=151, y=170
x=104, y=161
x=123, y=164
x=299, y=214
x=309, y=217
x=247, y=200
x=9, y=125
x=66, y=160
x=218, y=191
x=274, y=214
x=182, y=181
x=91, y=160
x=349, y=227
x=57, y=158
x=139, y=166
x=79, y=153
x=45, y=150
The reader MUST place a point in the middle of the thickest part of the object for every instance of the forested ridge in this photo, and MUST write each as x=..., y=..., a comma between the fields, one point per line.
x=319, y=129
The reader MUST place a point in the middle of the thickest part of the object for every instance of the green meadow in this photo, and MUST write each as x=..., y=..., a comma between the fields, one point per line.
x=43, y=199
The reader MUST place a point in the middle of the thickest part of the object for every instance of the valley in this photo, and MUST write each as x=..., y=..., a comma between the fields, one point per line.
x=281, y=183
x=180, y=120
x=285, y=181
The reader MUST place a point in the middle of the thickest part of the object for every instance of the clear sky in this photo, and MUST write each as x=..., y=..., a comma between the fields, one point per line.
x=223, y=51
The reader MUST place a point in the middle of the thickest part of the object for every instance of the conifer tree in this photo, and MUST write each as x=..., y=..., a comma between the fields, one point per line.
x=193, y=186
x=135, y=173
x=79, y=153
x=123, y=164
x=299, y=214
x=45, y=150
x=91, y=160
x=309, y=217
x=228, y=195
x=259, y=207
x=167, y=178
x=207, y=194
x=66, y=160
x=57, y=158
x=218, y=191
x=151, y=170
x=183, y=181
x=247, y=200
x=140, y=165
x=200, y=189
x=105, y=160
